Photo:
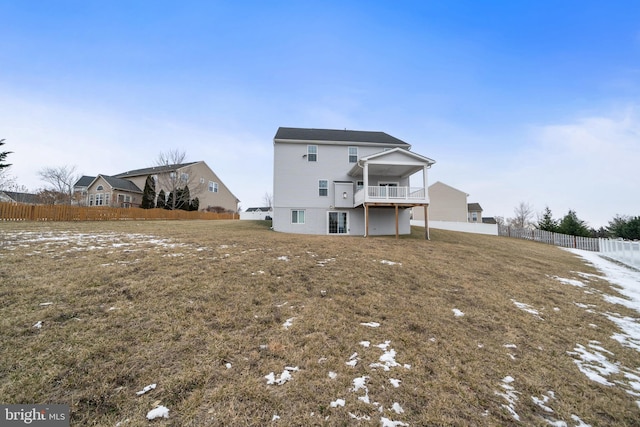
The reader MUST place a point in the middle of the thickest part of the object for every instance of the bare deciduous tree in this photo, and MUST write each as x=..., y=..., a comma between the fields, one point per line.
x=523, y=215
x=60, y=180
x=267, y=200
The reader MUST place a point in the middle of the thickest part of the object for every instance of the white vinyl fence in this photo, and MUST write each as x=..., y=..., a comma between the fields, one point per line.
x=557, y=239
x=621, y=250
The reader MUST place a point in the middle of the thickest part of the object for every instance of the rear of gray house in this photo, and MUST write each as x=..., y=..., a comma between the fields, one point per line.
x=345, y=182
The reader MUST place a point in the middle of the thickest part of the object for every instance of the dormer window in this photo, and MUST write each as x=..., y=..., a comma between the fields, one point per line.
x=100, y=188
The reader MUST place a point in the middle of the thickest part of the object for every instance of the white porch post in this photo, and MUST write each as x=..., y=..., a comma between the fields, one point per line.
x=424, y=181
x=365, y=181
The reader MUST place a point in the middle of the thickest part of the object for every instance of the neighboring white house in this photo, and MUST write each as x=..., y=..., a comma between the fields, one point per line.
x=342, y=182
x=263, y=213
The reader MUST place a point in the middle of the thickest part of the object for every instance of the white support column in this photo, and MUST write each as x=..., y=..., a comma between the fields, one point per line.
x=425, y=182
x=365, y=181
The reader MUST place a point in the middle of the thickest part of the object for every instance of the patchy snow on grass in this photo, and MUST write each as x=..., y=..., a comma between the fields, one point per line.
x=38, y=324
x=337, y=402
x=593, y=363
x=387, y=262
x=457, y=312
x=288, y=323
x=527, y=308
x=572, y=282
x=146, y=389
x=371, y=324
x=159, y=412
x=284, y=376
x=386, y=422
x=283, y=258
x=395, y=382
x=510, y=395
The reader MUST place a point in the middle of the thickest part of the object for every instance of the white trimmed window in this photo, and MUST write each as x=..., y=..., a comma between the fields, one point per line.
x=297, y=216
x=201, y=180
x=184, y=177
x=353, y=154
x=359, y=185
x=91, y=201
x=106, y=199
x=213, y=187
x=312, y=153
x=99, y=199
x=323, y=187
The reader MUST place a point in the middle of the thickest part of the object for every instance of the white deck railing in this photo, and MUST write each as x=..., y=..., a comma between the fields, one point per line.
x=390, y=194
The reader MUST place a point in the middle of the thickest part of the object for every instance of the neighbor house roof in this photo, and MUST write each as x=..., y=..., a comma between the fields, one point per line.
x=336, y=135
x=84, y=181
x=121, y=184
x=267, y=209
x=18, y=197
x=474, y=207
x=489, y=220
x=153, y=170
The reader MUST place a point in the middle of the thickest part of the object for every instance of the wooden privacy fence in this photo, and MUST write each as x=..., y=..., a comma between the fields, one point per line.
x=18, y=212
x=564, y=240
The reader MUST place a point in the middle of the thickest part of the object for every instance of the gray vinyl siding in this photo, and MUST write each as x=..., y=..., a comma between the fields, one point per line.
x=295, y=186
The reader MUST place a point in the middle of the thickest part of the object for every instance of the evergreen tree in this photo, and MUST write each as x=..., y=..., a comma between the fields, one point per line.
x=185, y=199
x=617, y=224
x=631, y=229
x=573, y=226
x=547, y=223
x=170, y=201
x=162, y=200
x=3, y=155
x=149, y=194
x=194, y=205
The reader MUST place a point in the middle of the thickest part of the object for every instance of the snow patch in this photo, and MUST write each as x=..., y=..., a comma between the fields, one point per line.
x=159, y=412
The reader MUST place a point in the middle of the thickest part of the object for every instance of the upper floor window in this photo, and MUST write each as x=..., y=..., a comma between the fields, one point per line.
x=201, y=180
x=100, y=188
x=312, y=153
x=359, y=185
x=184, y=177
x=323, y=187
x=213, y=187
x=474, y=216
x=353, y=154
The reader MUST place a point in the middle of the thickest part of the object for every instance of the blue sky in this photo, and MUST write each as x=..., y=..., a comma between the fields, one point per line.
x=534, y=102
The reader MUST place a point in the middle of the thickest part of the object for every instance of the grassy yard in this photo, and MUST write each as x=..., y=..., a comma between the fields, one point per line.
x=472, y=329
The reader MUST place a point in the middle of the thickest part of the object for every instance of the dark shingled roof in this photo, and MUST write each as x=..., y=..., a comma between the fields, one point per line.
x=265, y=209
x=19, y=197
x=337, y=136
x=153, y=170
x=121, y=184
x=474, y=207
x=489, y=220
x=84, y=181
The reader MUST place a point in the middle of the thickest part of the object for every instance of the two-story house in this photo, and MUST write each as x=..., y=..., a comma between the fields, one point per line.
x=125, y=189
x=341, y=182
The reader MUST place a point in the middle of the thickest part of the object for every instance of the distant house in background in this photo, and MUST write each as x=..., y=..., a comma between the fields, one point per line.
x=446, y=204
x=264, y=213
x=125, y=189
x=18, y=197
x=489, y=220
x=449, y=210
x=475, y=212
